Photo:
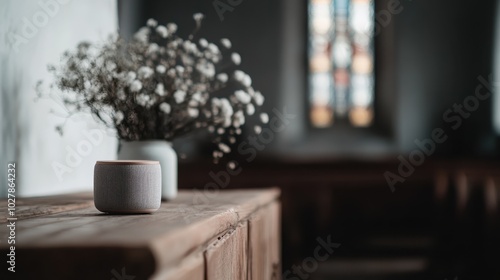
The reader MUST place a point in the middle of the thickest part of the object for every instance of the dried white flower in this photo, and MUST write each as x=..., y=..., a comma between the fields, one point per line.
x=161, y=69
x=145, y=72
x=198, y=17
x=239, y=76
x=264, y=118
x=259, y=98
x=242, y=96
x=257, y=129
x=153, y=48
x=142, y=34
x=179, y=96
x=250, y=109
x=160, y=89
x=239, y=119
x=190, y=47
x=110, y=66
x=130, y=77
x=174, y=79
x=226, y=43
x=165, y=108
x=121, y=94
x=207, y=69
x=151, y=22
x=213, y=48
x=197, y=96
x=224, y=148
x=119, y=117
x=247, y=81
x=162, y=31
x=193, y=112
x=227, y=111
x=135, y=86
x=236, y=58
x=179, y=69
x=232, y=164
x=85, y=64
x=222, y=77
x=143, y=99
x=203, y=42
x=172, y=28
x=171, y=73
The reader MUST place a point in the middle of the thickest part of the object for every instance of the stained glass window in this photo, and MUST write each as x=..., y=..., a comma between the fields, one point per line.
x=341, y=62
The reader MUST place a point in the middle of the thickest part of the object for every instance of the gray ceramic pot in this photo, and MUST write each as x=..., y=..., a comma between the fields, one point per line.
x=127, y=186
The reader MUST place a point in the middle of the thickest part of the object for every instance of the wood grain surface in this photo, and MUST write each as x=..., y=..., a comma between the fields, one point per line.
x=176, y=242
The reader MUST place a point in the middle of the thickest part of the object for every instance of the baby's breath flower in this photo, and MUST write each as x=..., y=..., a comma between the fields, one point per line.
x=239, y=119
x=213, y=48
x=165, y=108
x=162, y=31
x=142, y=35
x=119, y=117
x=193, y=112
x=171, y=73
x=242, y=96
x=160, y=89
x=236, y=58
x=222, y=77
x=247, y=81
x=203, y=42
x=161, y=69
x=259, y=99
x=143, y=99
x=121, y=94
x=179, y=69
x=135, y=86
x=224, y=148
x=226, y=43
x=151, y=22
x=130, y=77
x=257, y=129
x=160, y=85
x=198, y=17
x=153, y=48
x=250, y=109
x=179, y=96
x=145, y=72
x=239, y=76
x=264, y=118
x=172, y=28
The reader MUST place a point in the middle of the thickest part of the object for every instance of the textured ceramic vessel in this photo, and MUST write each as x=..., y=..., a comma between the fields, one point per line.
x=127, y=186
x=158, y=150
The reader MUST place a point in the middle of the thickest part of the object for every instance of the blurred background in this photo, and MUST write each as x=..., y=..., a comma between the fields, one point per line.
x=390, y=111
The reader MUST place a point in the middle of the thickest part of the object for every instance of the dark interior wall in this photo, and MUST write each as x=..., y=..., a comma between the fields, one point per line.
x=441, y=49
x=429, y=58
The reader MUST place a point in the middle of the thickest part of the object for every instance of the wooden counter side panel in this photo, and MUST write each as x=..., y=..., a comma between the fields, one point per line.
x=191, y=268
x=264, y=243
x=226, y=258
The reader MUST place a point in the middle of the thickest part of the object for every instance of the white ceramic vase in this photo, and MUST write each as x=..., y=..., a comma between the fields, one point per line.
x=158, y=150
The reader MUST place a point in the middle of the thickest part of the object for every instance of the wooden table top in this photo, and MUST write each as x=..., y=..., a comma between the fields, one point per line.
x=69, y=232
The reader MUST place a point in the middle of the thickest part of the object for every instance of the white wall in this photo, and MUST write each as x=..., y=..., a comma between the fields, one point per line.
x=28, y=134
